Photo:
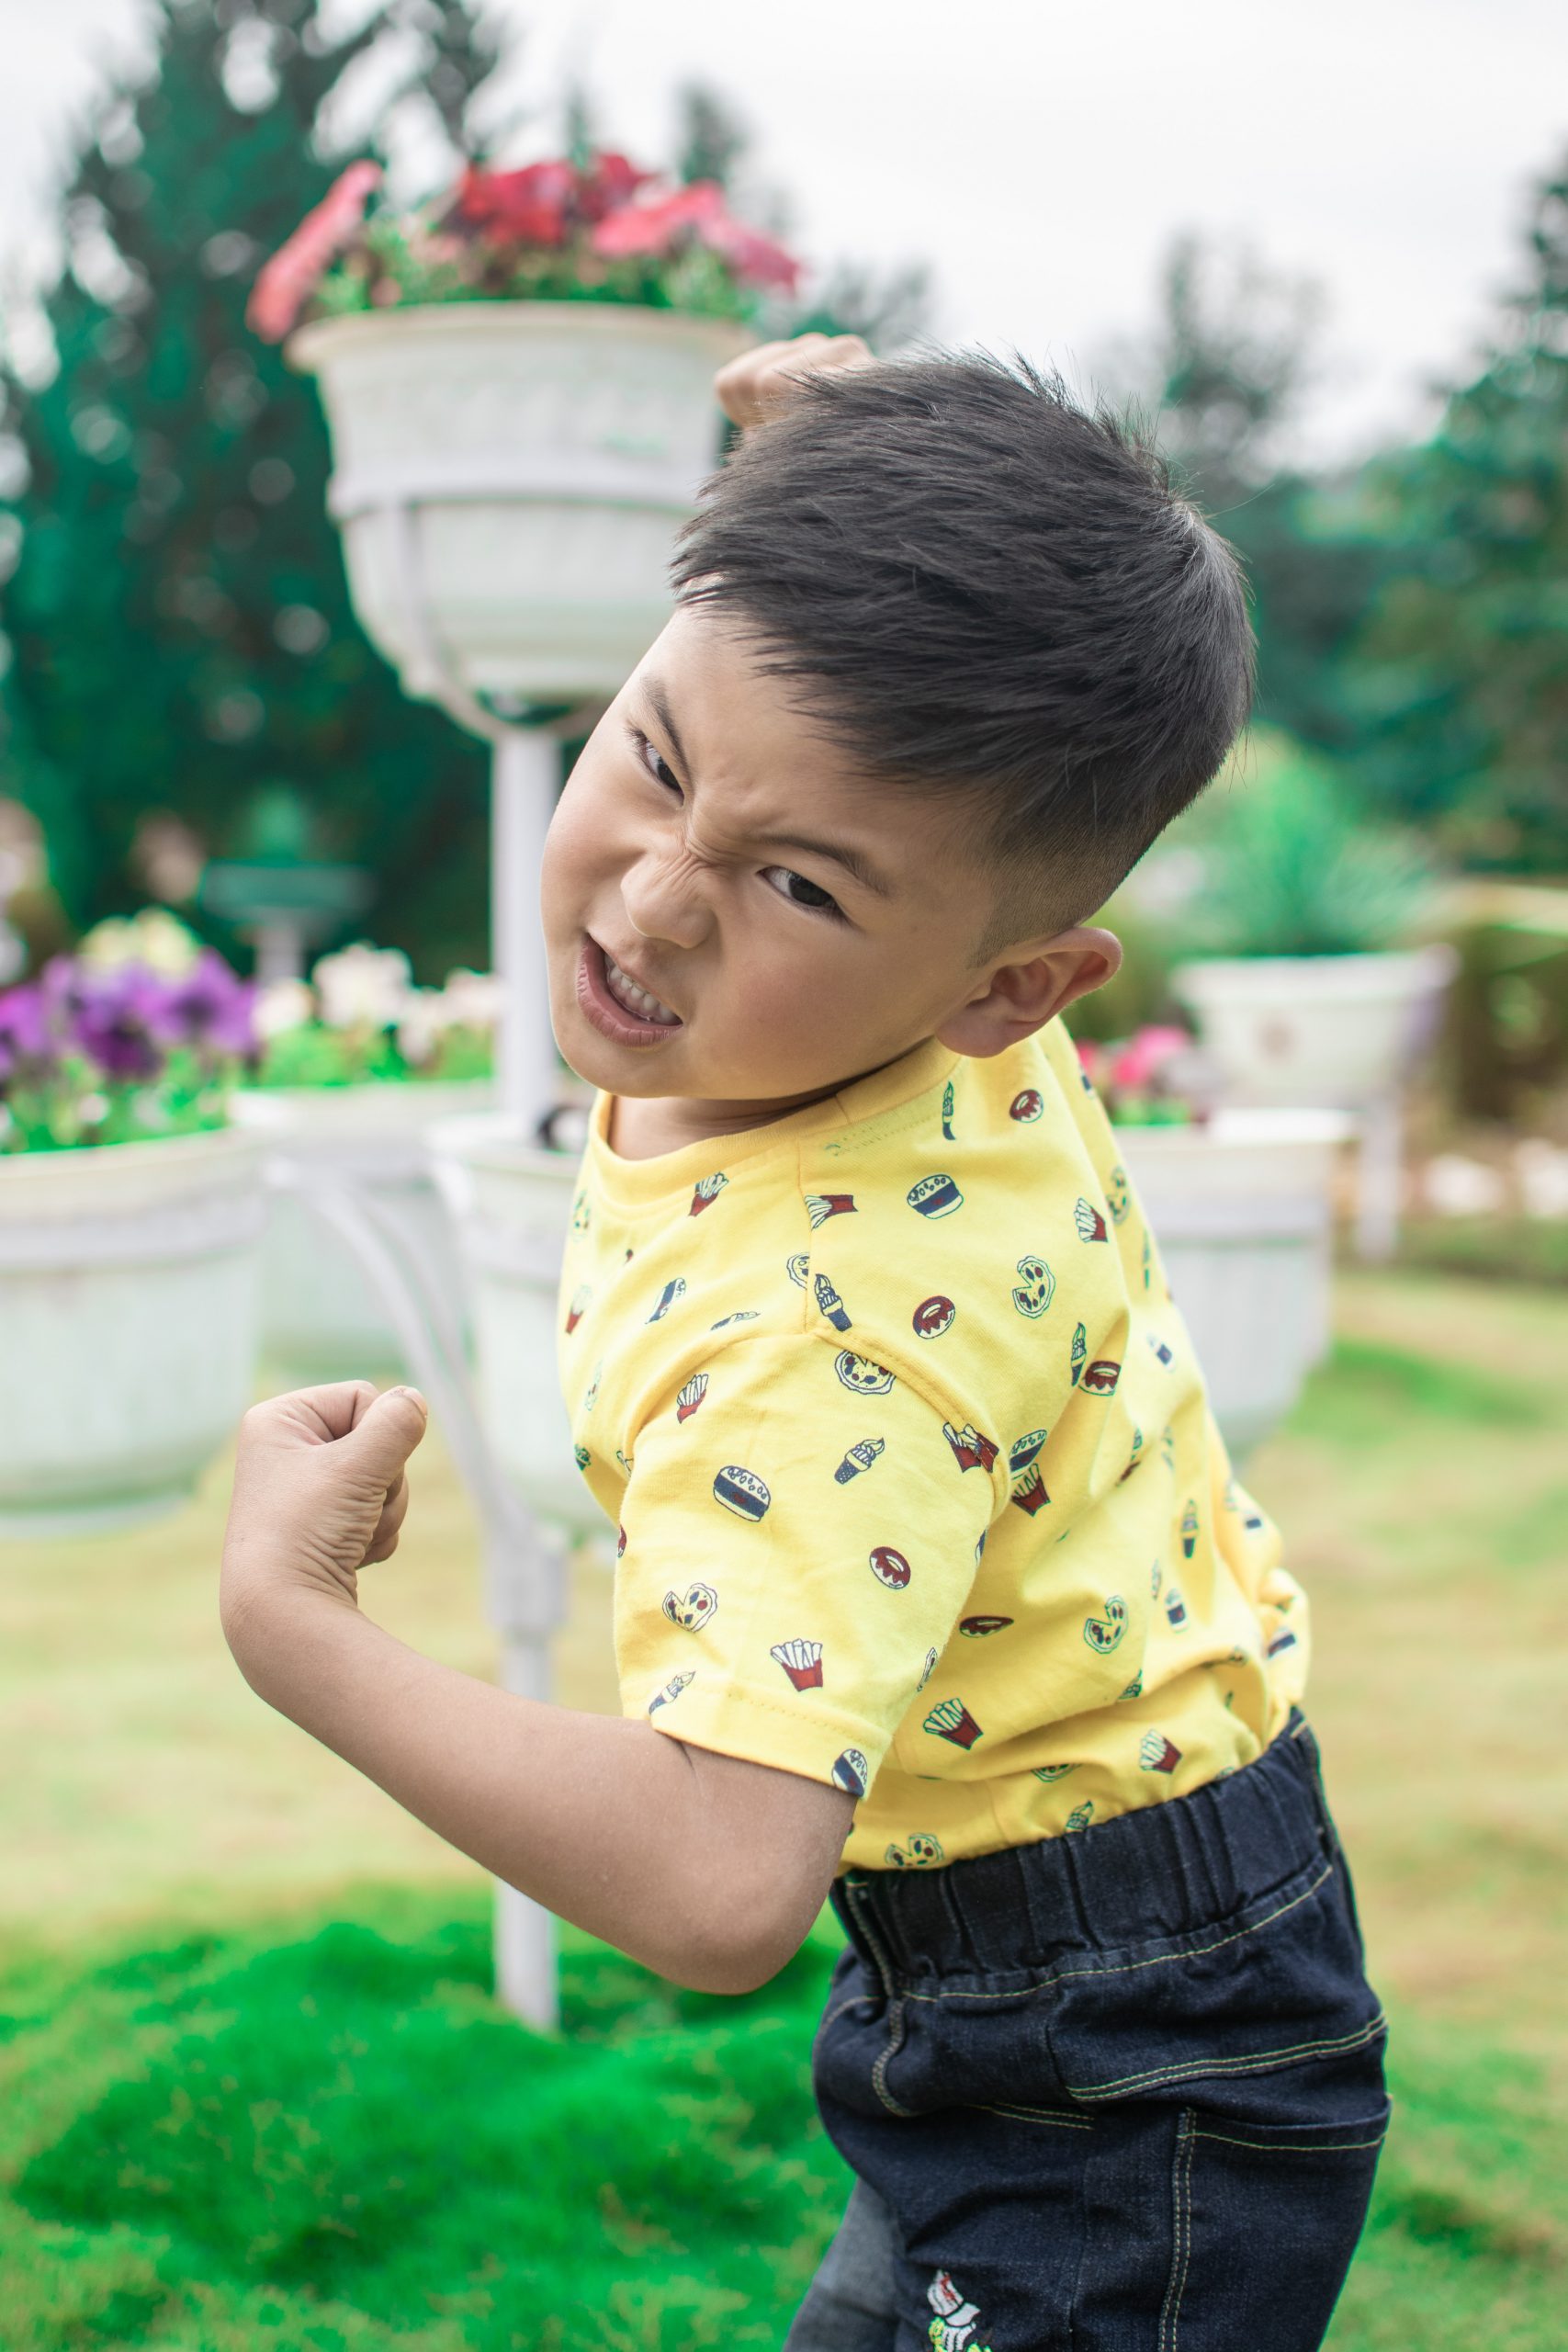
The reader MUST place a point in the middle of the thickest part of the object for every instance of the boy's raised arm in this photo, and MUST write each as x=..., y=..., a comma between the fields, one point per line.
x=707, y=1868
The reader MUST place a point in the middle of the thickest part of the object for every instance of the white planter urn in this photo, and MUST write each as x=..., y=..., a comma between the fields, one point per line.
x=1240, y=1208
x=511, y=1206
x=321, y=1318
x=508, y=478
x=1316, y=1032
x=128, y=1290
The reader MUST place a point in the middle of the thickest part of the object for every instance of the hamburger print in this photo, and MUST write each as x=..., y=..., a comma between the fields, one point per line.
x=935, y=1196
x=852, y=1771
x=742, y=1492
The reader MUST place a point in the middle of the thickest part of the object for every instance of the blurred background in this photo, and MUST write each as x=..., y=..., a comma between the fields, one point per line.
x=257, y=2090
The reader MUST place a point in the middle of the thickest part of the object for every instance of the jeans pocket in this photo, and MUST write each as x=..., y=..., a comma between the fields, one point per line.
x=1274, y=1990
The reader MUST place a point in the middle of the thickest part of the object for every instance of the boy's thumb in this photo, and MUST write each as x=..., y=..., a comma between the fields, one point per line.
x=392, y=1427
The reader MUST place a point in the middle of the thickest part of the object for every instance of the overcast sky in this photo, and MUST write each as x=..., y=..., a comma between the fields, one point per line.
x=1041, y=154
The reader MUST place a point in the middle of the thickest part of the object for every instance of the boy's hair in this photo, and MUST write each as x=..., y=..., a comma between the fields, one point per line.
x=986, y=592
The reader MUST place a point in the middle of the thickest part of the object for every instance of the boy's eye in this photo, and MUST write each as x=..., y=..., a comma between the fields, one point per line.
x=798, y=890
x=817, y=899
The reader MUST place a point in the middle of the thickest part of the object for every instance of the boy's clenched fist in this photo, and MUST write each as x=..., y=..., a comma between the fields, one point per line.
x=319, y=1493
x=759, y=382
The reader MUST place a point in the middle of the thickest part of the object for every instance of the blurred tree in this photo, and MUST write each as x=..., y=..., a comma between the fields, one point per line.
x=177, y=621
x=1230, y=369
x=1462, y=677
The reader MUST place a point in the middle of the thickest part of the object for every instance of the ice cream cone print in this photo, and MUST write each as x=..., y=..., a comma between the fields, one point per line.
x=858, y=1457
x=1148, y=1260
x=706, y=1192
x=802, y=1661
x=820, y=1207
x=830, y=1304
x=1080, y=1353
x=575, y=1312
x=691, y=1397
x=951, y=1719
x=1080, y=1815
x=927, y=1670
x=1158, y=1753
x=1118, y=1198
x=947, y=1134
x=667, y=1298
x=1175, y=1607
x=670, y=1689
x=1190, y=1531
x=1091, y=1225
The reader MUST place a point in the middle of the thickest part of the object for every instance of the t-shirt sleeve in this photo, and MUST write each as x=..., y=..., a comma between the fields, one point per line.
x=800, y=1530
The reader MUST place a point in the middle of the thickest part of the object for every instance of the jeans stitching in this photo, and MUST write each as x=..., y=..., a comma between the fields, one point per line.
x=1033, y=2115
x=1181, y=2199
x=1130, y=1967
x=1261, y=2061
x=879, y=2072
x=1294, y=2147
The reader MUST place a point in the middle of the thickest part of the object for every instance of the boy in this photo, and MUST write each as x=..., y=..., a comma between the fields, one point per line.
x=935, y=1594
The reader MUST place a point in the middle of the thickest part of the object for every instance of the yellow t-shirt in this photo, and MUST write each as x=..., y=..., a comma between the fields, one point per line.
x=918, y=1487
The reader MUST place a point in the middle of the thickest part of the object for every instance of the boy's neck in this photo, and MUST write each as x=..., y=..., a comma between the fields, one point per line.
x=646, y=1128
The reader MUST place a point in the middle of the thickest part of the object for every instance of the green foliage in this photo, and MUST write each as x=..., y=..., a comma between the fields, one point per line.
x=178, y=619
x=1460, y=682
x=1291, y=866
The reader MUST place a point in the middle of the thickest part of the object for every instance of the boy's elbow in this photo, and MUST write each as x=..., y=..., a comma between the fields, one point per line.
x=742, y=1944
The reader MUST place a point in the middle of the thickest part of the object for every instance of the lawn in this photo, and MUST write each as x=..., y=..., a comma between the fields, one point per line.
x=254, y=2090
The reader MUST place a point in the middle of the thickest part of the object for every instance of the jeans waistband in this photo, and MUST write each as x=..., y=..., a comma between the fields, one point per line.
x=1162, y=1871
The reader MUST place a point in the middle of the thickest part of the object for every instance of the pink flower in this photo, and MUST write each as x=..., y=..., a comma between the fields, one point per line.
x=284, y=284
x=656, y=226
x=526, y=208
x=1137, y=1065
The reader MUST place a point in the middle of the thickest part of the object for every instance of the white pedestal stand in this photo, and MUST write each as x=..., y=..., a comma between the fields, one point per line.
x=525, y=1559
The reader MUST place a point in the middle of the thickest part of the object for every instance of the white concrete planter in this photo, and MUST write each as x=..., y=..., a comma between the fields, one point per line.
x=1326, y=1032
x=508, y=479
x=1240, y=1209
x=128, y=1279
x=511, y=1206
x=320, y=1319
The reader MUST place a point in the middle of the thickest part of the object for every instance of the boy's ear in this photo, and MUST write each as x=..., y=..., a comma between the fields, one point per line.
x=1019, y=996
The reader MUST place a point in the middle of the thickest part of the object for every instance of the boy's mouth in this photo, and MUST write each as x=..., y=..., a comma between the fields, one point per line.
x=619, y=1007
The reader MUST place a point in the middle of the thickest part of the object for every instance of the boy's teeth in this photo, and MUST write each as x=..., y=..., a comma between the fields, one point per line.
x=633, y=997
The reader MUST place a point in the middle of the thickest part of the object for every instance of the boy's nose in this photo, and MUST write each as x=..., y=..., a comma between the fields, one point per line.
x=664, y=897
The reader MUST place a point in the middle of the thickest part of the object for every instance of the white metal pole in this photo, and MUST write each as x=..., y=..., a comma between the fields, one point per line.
x=525, y=1974
x=526, y=771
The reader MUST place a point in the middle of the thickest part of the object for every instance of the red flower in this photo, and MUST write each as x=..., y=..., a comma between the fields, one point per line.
x=285, y=283
x=531, y=206
x=612, y=183
x=657, y=226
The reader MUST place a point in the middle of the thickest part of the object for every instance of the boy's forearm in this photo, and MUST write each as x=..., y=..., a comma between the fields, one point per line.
x=595, y=1816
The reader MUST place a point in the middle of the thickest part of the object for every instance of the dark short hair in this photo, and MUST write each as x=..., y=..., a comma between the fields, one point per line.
x=984, y=589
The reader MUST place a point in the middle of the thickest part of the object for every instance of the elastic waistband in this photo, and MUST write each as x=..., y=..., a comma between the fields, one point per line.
x=1163, y=1871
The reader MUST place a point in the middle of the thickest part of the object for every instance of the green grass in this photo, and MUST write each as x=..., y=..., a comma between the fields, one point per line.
x=312, y=2136
x=257, y=2094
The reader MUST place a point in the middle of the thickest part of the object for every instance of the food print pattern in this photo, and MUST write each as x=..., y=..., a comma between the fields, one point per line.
x=915, y=1486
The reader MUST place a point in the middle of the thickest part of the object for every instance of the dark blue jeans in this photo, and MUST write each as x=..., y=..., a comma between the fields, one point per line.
x=1120, y=2091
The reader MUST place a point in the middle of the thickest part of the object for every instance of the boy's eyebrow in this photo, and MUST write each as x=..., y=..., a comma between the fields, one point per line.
x=852, y=860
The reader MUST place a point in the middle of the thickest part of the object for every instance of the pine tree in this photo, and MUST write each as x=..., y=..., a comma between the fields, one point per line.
x=1461, y=674
x=178, y=623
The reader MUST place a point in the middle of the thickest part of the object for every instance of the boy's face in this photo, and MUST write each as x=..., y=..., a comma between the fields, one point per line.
x=794, y=927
